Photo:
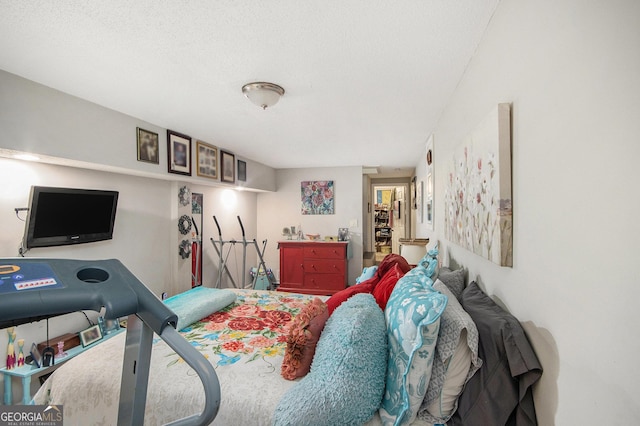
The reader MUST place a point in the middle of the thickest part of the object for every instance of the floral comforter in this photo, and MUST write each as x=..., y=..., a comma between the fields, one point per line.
x=245, y=342
x=254, y=328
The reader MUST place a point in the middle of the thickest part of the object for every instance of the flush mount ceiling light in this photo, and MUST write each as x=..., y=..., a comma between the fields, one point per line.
x=263, y=94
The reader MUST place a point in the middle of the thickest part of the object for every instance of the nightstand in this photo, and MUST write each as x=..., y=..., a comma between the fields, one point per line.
x=27, y=371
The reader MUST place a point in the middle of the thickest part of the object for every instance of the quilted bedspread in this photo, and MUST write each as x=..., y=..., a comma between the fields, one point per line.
x=245, y=342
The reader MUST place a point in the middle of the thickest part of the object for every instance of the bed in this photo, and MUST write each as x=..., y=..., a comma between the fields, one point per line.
x=365, y=365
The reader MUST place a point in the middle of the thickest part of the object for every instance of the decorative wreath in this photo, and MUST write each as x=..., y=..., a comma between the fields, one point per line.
x=184, y=249
x=184, y=224
x=184, y=196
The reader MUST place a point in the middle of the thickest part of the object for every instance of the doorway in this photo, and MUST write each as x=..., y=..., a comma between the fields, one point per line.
x=390, y=218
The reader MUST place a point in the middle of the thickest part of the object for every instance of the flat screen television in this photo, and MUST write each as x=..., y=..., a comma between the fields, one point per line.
x=62, y=216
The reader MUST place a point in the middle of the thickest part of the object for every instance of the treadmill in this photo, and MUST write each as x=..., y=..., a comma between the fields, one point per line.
x=36, y=288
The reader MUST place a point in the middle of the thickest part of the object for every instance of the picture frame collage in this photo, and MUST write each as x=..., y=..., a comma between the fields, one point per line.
x=210, y=161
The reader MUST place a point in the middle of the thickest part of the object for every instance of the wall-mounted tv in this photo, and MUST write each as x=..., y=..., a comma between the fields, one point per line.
x=62, y=216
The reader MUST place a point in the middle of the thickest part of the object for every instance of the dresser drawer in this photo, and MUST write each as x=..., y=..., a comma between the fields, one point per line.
x=323, y=266
x=324, y=283
x=319, y=252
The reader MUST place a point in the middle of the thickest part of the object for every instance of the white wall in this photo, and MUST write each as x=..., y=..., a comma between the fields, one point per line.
x=145, y=237
x=282, y=208
x=143, y=209
x=226, y=205
x=64, y=129
x=88, y=146
x=571, y=69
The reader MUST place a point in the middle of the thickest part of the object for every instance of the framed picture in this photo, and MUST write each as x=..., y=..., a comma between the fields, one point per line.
x=35, y=354
x=419, y=201
x=414, y=193
x=90, y=335
x=207, y=160
x=242, y=170
x=179, y=148
x=479, y=181
x=429, y=212
x=110, y=326
x=227, y=167
x=148, y=146
x=317, y=197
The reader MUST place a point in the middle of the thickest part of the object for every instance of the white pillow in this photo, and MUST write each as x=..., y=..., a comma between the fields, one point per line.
x=456, y=360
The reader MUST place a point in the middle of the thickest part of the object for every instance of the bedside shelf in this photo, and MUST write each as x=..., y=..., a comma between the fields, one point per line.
x=27, y=371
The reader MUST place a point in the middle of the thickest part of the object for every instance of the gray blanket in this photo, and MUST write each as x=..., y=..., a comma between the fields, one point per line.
x=500, y=393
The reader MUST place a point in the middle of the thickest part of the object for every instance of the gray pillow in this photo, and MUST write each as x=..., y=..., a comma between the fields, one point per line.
x=454, y=280
x=456, y=360
x=503, y=393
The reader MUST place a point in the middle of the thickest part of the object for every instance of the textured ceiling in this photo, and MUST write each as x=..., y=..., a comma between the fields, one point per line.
x=365, y=81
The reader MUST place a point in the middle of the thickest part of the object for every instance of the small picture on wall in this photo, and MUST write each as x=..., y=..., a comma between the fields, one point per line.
x=227, y=167
x=179, y=148
x=207, y=159
x=242, y=170
x=414, y=193
x=148, y=146
x=429, y=212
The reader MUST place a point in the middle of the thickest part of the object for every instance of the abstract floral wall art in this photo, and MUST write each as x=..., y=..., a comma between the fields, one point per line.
x=478, y=199
x=317, y=197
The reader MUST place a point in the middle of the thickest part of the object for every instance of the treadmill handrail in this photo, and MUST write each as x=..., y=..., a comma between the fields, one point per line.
x=205, y=372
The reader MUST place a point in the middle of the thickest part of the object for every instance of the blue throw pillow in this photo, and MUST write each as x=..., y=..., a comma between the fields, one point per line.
x=430, y=261
x=413, y=321
x=366, y=274
x=347, y=377
x=197, y=303
x=425, y=270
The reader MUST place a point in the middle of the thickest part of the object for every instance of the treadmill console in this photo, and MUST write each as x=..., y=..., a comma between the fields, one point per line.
x=33, y=289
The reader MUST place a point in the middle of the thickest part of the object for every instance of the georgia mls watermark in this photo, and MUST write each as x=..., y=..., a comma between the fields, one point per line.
x=31, y=415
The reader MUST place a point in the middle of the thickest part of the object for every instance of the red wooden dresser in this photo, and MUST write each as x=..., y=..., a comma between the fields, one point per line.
x=313, y=267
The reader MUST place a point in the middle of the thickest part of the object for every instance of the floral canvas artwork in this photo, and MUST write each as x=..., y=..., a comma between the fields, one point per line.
x=478, y=206
x=317, y=197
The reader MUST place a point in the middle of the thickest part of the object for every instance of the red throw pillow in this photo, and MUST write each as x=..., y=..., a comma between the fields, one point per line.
x=303, y=337
x=383, y=289
x=389, y=261
x=336, y=300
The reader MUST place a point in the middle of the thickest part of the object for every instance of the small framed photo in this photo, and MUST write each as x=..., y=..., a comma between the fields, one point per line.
x=148, y=146
x=110, y=326
x=35, y=354
x=207, y=160
x=90, y=335
x=242, y=170
x=179, y=148
x=227, y=167
x=343, y=234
